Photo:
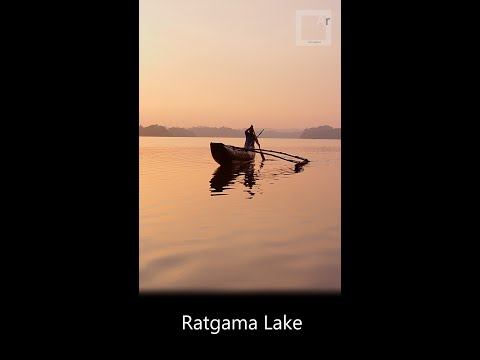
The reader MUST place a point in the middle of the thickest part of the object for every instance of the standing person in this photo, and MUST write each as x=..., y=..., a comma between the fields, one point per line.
x=251, y=139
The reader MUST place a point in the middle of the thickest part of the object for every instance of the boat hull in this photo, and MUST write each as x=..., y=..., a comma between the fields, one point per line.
x=225, y=155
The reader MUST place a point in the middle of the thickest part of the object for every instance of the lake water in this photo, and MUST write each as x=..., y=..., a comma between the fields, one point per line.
x=256, y=227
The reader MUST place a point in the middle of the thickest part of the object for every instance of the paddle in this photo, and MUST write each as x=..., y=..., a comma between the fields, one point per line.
x=256, y=140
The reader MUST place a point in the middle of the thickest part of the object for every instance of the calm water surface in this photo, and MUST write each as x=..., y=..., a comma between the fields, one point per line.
x=259, y=226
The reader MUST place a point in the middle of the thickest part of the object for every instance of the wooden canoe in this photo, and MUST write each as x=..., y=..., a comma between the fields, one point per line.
x=223, y=154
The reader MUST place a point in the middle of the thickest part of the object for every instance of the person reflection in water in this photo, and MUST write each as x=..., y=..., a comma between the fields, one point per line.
x=249, y=179
x=225, y=177
x=251, y=139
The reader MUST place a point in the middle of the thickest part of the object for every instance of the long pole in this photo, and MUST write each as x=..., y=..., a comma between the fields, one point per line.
x=273, y=151
x=299, y=163
x=256, y=151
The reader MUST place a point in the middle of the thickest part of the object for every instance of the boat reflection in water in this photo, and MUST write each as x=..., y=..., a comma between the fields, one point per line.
x=225, y=177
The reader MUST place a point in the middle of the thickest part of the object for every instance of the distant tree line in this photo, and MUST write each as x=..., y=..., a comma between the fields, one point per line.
x=321, y=132
x=158, y=130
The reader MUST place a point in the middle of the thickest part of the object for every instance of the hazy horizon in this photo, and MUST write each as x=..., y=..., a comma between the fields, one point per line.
x=232, y=63
x=258, y=128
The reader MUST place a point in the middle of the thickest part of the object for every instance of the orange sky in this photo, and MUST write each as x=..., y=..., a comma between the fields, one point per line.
x=234, y=63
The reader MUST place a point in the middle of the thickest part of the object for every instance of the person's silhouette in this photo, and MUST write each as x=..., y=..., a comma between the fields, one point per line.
x=251, y=139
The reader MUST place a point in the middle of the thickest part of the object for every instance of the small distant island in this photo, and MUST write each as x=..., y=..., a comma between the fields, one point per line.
x=320, y=132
